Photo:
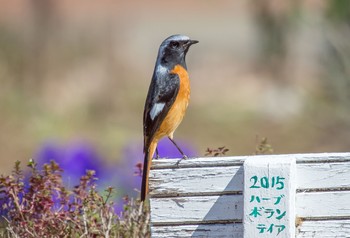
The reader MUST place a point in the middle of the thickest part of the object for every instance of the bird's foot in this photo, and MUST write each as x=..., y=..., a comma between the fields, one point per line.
x=157, y=157
x=183, y=157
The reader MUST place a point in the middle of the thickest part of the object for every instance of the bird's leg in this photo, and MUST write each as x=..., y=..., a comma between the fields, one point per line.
x=182, y=153
x=157, y=153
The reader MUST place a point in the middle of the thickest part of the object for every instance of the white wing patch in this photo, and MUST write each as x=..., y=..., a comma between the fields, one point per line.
x=161, y=69
x=156, y=109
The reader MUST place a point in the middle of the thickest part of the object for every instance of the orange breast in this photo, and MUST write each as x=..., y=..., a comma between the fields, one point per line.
x=178, y=109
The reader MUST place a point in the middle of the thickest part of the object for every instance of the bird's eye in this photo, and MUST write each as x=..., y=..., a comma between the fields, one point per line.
x=174, y=44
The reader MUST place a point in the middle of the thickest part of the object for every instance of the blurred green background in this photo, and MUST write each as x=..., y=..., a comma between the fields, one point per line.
x=80, y=70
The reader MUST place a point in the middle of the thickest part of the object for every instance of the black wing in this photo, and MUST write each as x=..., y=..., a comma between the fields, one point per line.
x=161, y=96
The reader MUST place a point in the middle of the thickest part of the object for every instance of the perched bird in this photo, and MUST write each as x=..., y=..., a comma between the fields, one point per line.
x=167, y=99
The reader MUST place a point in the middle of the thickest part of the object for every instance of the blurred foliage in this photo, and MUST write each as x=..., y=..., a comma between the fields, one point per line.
x=263, y=147
x=220, y=151
x=339, y=10
x=43, y=205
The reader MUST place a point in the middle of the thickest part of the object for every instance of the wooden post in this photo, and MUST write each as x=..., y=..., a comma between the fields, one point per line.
x=210, y=197
x=269, y=197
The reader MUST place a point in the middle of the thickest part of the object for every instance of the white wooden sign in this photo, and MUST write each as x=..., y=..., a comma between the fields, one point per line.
x=269, y=197
x=203, y=197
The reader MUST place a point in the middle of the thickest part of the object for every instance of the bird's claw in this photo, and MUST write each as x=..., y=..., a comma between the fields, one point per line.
x=183, y=157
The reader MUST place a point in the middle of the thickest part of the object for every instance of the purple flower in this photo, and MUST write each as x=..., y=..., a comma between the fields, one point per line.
x=124, y=174
x=3, y=201
x=75, y=159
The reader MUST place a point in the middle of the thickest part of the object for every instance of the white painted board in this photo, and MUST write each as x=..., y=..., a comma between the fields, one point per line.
x=184, y=198
x=210, y=208
x=216, y=180
x=195, y=231
x=269, y=197
x=307, y=229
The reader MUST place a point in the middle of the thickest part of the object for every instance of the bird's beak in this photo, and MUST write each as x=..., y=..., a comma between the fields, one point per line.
x=190, y=42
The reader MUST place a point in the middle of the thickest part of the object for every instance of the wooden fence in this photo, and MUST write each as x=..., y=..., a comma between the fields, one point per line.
x=204, y=197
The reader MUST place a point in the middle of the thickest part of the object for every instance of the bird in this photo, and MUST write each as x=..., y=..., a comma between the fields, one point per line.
x=167, y=99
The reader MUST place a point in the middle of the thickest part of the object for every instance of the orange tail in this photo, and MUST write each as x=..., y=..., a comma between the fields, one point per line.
x=146, y=167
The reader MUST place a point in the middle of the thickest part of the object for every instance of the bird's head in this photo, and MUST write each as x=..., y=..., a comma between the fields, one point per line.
x=173, y=50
